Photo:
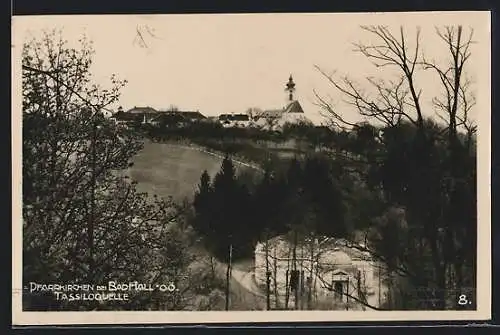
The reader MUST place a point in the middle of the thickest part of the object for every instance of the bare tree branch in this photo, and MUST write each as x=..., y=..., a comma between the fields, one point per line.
x=142, y=32
x=52, y=74
x=457, y=98
x=396, y=99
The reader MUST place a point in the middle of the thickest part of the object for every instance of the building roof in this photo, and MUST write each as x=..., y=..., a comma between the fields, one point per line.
x=340, y=257
x=125, y=116
x=240, y=117
x=272, y=113
x=142, y=110
x=169, y=117
x=234, y=117
x=294, y=107
x=189, y=114
x=340, y=250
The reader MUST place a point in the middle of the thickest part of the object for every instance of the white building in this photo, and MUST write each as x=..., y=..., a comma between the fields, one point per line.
x=151, y=116
x=271, y=119
x=292, y=112
x=234, y=120
x=326, y=273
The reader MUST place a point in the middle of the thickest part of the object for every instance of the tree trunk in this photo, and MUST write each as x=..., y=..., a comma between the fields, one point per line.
x=297, y=284
x=275, y=270
x=347, y=295
x=268, y=279
x=301, y=279
x=316, y=274
x=441, y=288
x=440, y=275
x=379, y=285
x=90, y=228
x=287, y=284
x=228, y=274
x=212, y=267
x=310, y=281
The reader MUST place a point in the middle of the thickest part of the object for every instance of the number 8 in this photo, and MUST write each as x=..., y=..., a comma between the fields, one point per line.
x=462, y=300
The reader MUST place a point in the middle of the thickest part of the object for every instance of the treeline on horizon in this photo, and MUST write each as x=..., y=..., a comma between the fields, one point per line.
x=239, y=140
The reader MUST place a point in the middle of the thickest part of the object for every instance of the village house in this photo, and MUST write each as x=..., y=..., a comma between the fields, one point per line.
x=322, y=271
x=271, y=119
x=189, y=116
x=234, y=120
x=145, y=114
x=151, y=116
x=169, y=120
x=136, y=115
x=177, y=118
x=124, y=118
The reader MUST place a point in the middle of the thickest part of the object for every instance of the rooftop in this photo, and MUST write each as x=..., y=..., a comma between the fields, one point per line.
x=294, y=107
x=329, y=248
x=234, y=117
x=140, y=110
x=125, y=116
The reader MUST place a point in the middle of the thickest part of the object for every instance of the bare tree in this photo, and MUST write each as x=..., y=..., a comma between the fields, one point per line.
x=173, y=108
x=392, y=103
x=267, y=119
x=72, y=193
x=457, y=98
x=400, y=99
x=322, y=266
x=253, y=113
x=271, y=121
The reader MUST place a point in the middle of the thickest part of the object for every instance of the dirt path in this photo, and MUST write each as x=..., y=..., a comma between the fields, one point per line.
x=245, y=295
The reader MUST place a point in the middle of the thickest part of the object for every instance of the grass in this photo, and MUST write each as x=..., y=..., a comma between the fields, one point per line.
x=172, y=170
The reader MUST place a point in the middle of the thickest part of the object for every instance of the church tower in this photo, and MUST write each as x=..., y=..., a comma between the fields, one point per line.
x=290, y=88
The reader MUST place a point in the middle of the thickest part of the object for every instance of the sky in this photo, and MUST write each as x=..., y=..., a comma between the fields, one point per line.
x=226, y=63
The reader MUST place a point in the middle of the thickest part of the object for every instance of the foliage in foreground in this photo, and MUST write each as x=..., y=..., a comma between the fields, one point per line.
x=82, y=222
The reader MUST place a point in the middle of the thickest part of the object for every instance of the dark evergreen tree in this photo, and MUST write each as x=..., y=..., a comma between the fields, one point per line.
x=324, y=198
x=229, y=220
x=202, y=206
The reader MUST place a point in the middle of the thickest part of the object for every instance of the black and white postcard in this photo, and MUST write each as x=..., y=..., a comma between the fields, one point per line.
x=251, y=167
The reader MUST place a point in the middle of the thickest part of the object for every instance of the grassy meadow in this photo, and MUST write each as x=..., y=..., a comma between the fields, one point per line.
x=168, y=169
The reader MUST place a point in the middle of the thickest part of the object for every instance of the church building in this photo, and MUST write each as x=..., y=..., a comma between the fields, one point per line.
x=269, y=119
x=292, y=112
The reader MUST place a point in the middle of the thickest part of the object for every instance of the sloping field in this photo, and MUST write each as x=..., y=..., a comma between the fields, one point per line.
x=173, y=170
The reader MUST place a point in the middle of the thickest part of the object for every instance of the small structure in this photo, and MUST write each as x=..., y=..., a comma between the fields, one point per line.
x=314, y=272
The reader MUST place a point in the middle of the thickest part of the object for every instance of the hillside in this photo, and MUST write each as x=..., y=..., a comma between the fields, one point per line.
x=168, y=169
